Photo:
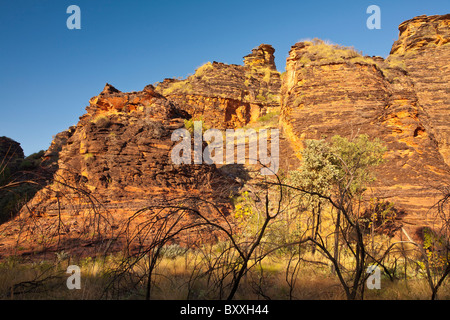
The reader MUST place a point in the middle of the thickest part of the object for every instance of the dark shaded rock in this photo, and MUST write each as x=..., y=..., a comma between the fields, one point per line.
x=10, y=150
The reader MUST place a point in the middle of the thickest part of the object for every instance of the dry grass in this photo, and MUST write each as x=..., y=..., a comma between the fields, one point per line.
x=178, y=87
x=319, y=51
x=174, y=281
x=202, y=70
x=47, y=280
x=182, y=274
x=397, y=62
x=270, y=117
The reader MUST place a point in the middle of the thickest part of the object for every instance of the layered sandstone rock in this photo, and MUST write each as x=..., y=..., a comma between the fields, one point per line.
x=120, y=152
x=228, y=96
x=329, y=90
x=424, y=50
x=116, y=160
x=113, y=163
x=422, y=32
x=261, y=57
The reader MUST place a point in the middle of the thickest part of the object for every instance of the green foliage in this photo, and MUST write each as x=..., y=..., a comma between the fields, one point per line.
x=267, y=75
x=321, y=47
x=5, y=175
x=32, y=161
x=438, y=254
x=265, y=72
x=272, y=98
x=61, y=256
x=269, y=116
x=189, y=124
x=260, y=97
x=267, y=97
x=395, y=61
x=12, y=199
x=99, y=118
x=354, y=159
x=340, y=164
x=172, y=251
x=304, y=60
x=320, y=50
x=88, y=156
x=242, y=206
x=391, y=67
x=380, y=217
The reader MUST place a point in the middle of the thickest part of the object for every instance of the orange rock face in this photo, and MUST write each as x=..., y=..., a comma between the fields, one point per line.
x=329, y=90
x=228, y=96
x=116, y=160
x=113, y=163
x=424, y=49
x=120, y=151
x=422, y=32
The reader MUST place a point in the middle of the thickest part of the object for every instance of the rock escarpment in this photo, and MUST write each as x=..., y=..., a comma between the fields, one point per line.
x=116, y=160
x=120, y=152
x=113, y=163
x=228, y=96
x=423, y=48
x=403, y=100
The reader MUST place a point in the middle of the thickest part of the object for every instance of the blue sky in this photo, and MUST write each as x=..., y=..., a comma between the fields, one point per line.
x=48, y=72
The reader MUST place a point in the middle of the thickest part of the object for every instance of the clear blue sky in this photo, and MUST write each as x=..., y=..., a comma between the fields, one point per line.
x=48, y=72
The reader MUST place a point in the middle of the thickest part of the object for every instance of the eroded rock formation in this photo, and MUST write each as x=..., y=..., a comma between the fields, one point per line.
x=423, y=48
x=228, y=96
x=329, y=90
x=116, y=160
x=113, y=163
x=120, y=152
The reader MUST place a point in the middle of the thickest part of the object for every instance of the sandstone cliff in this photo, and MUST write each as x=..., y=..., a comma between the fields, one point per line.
x=228, y=96
x=329, y=90
x=116, y=160
x=423, y=48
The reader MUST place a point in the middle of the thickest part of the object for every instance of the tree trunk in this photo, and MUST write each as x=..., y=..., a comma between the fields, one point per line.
x=336, y=241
